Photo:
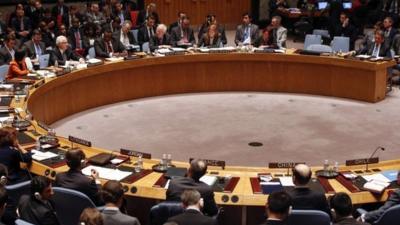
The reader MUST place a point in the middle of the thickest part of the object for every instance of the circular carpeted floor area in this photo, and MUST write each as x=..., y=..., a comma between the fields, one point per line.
x=221, y=125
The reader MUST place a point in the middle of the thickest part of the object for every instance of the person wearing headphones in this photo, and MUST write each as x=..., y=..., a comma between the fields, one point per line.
x=113, y=196
x=75, y=179
x=37, y=208
x=193, y=203
x=278, y=208
x=11, y=156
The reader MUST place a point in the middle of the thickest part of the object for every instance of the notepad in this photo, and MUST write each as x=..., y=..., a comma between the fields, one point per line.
x=40, y=156
x=209, y=180
x=286, y=181
x=106, y=173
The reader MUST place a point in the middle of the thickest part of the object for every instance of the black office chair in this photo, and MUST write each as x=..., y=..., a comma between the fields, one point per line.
x=307, y=217
x=14, y=192
x=160, y=213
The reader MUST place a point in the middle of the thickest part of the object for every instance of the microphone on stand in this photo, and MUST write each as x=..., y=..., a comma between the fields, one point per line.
x=372, y=155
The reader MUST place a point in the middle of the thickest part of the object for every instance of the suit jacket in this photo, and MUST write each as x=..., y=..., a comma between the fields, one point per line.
x=349, y=31
x=274, y=222
x=112, y=216
x=305, y=198
x=11, y=158
x=141, y=19
x=240, y=33
x=384, y=51
x=72, y=38
x=176, y=35
x=61, y=60
x=5, y=56
x=393, y=199
x=117, y=36
x=180, y=184
x=55, y=12
x=126, y=15
x=221, y=32
x=192, y=217
x=390, y=36
x=16, y=25
x=37, y=212
x=77, y=181
x=279, y=36
x=101, y=48
x=143, y=34
x=99, y=19
x=172, y=26
x=30, y=49
x=349, y=221
x=214, y=44
x=155, y=42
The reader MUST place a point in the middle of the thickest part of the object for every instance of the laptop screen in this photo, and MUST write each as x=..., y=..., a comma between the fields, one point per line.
x=347, y=5
x=322, y=5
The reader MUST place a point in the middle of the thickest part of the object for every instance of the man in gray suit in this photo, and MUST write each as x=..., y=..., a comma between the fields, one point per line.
x=279, y=33
x=113, y=194
x=35, y=47
x=246, y=33
x=8, y=50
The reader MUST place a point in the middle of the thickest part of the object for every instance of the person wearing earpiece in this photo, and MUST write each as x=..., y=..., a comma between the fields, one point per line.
x=342, y=209
x=277, y=208
x=193, y=203
x=11, y=156
x=37, y=207
x=112, y=194
x=75, y=179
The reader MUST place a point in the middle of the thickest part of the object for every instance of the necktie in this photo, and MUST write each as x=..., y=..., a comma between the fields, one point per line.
x=375, y=52
x=38, y=50
x=78, y=40
x=22, y=24
x=109, y=47
x=246, y=33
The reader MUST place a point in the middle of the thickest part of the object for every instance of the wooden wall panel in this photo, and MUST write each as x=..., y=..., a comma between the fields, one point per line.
x=228, y=11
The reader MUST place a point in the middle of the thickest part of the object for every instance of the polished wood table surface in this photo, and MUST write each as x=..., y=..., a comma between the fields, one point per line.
x=156, y=76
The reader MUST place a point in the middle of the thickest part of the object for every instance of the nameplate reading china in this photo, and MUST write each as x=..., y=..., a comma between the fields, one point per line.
x=355, y=162
x=43, y=126
x=80, y=141
x=281, y=165
x=128, y=152
x=211, y=162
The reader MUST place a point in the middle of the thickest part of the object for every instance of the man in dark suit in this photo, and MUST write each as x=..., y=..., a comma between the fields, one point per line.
x=22, y=25
x=183, y=35
x=177, y=185
x=192, y=202
x=303, y=197
x=125, y=35
x=151, y=10
x=342, y=209
x=246, y=33
x=378, y=48
x=60, y=12
x=63, y=53
x=35, y=47
x=8, y=50
x=161, y=38
x=177, y=23
x=37, y=208
x=75, y=179
x=75, y=35
x=108, y=46
x=346, y=29
x=389, y=30
x=121, y=13
x=147, y=31
x=277, y=208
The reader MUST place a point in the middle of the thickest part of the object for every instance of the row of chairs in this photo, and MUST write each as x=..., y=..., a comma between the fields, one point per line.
x=314, y=42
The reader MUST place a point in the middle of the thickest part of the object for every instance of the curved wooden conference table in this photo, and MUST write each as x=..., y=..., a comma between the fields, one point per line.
x=156, y=76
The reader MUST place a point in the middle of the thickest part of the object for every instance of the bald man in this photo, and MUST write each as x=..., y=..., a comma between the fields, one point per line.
x=192, y=181
x=303, y=197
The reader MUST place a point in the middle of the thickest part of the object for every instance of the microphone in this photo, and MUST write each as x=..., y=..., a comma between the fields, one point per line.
x=372, y=155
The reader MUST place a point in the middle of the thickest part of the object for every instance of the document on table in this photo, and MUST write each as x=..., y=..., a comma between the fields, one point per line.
x=106, y=173
x=377, y=177
x=209, y=180
x=40, y=156
x=286, y=181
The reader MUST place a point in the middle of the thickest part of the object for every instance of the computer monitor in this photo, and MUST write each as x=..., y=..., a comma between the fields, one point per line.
x=347, y=5
x=322, y=5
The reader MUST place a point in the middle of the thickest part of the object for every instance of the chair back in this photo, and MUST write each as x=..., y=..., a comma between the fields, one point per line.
x=91, y=53
x=29, y=64
x=390, y=217
x=312, y=39
x=146, y=47
x=160, y=213
x=320, y=48
x=22, y=222
x=340, y=44
x=3, y=72
x=14, y=193
x=69, y=205
x=323, y=33
x=44, y=61
x=308, y=217
x=135, y=33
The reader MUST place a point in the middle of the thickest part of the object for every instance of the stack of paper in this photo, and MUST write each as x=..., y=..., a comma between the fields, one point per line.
x=286, y=181
x=210, y=180
x=94, y=61
x=106, y=173
x=40, y=156
x=376, y=182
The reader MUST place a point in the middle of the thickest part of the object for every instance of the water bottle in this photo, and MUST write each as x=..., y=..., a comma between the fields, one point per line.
x=139, y=164
x=164, y=160
x=326, y=165
x=336, y=167
x=169, y=160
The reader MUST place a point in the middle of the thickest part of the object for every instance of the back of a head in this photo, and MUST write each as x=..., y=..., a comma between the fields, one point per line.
x=279, y=203
x=19, y=54
x=197, y=169
x=7, y=136
x=91, y=216
x=75, y=158
x=38, y=184
x=190, y=197
x=341, y=203
x=302, y=174
x=112, y=191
